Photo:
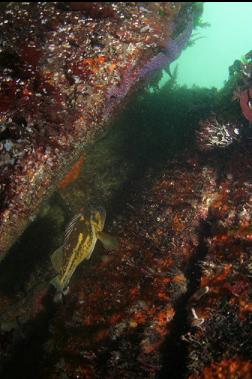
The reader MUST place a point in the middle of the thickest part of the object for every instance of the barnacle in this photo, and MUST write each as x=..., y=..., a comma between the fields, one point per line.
x=64, y=69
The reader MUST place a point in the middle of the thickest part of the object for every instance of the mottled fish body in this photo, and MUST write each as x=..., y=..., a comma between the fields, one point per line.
x=80, y=238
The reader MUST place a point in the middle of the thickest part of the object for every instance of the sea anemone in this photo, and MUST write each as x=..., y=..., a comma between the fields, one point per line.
x=213, y=134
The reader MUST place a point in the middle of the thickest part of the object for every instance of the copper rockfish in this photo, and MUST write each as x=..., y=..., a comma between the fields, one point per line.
x=80, y=239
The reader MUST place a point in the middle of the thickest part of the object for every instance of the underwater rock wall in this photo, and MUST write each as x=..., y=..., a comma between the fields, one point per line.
x=180, y=280
x=65, y=69
x=124, y=304
x=173, y=301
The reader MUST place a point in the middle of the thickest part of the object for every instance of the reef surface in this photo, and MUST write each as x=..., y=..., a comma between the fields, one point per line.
x=174, y=300
x=64, y=70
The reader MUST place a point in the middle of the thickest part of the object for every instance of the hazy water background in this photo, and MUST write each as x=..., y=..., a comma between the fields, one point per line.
x=226, y=39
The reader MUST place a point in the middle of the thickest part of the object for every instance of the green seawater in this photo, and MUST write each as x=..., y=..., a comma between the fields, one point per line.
x=227, y=38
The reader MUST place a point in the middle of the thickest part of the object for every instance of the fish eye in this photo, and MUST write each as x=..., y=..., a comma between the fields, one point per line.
x=98, y=217
x=250, y=104
x=98, y=213
x=94, y=214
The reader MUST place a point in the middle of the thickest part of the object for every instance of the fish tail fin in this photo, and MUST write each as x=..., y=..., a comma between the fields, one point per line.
x=57, y=284
x=60, y=290
x=109, y=242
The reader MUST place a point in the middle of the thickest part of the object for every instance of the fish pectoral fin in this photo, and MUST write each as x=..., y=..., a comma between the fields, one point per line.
x=57, y=259
x=109, y=242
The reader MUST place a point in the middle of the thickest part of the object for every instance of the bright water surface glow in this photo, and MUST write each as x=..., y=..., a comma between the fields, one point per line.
x=228, y=38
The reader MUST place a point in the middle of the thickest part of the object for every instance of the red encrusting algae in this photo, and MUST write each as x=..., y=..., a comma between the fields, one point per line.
x=73, y=174
x=58, y=64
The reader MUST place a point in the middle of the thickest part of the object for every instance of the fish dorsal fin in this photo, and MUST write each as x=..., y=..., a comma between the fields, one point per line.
x=70, y=227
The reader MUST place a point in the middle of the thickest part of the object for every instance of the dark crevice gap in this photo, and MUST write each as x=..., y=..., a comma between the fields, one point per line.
x=26, y=360
x=174, y=350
